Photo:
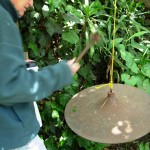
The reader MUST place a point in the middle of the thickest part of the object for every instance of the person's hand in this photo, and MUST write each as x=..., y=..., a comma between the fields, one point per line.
x=29, y=60
x=73, y=66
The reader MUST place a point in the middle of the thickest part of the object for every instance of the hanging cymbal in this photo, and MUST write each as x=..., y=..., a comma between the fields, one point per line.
x=117, y=117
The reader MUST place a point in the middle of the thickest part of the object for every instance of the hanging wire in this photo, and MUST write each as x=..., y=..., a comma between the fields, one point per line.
x=110, y=84
x=113, y=48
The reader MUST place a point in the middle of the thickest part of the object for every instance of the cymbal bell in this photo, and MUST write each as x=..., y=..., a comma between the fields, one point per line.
x=109, y=117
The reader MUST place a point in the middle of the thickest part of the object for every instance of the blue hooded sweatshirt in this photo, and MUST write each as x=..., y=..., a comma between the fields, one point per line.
x=19, y=88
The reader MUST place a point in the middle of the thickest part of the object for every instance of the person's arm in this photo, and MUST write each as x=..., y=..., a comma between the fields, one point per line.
x=17, y=84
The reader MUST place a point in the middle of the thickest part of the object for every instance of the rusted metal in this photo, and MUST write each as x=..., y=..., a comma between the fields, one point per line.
x=109, y=117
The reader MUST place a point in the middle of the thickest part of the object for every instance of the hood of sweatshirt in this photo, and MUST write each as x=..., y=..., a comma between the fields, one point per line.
x=7, y=5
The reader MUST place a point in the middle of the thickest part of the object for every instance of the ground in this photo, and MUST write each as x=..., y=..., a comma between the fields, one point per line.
x=132, y=145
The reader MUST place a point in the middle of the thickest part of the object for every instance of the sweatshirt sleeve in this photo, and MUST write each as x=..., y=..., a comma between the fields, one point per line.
x=17, y=84
x=21, y=85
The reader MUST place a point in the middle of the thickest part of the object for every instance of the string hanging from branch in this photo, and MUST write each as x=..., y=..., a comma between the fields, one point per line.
x=113, y=47
x=110, y=84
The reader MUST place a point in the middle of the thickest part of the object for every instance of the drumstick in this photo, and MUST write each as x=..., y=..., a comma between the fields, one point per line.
x=93, y=38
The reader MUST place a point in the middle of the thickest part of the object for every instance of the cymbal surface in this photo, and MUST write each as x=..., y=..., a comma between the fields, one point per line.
x=117, y=118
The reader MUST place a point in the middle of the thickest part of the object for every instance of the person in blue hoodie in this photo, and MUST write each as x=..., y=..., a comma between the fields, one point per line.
x=19, y=87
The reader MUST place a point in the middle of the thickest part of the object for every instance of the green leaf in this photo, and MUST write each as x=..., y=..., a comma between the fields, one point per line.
x=117, y=42
x=92, y=51
x=70, y=90
x=51, y=143
x=84, y=143
x=52, y=27
x=96, y=5
x=45, y=10
x=147, y=146
x=146, y=85
x=43, y=40
x=55, y=114
x=75, y=84
x=129, y=58
x=134, y=68
x=125, y=77
x=71, y=17
x=87, y=73
x=120, y=63
x=64, y=98
x=70, y=37
x=130, y=80
x=92, y=11
x=138, y=34
x=140, y=47
x=139, y=26
x=109, y=28
x=74, y=11
x=54, y=4
x=146, y=69
x=122, y=18
x=144, y=146
x=34, y=48
x=56, y=105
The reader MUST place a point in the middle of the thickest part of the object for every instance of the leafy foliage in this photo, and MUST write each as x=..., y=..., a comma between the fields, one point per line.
x=144, y=146
x=56, y=30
